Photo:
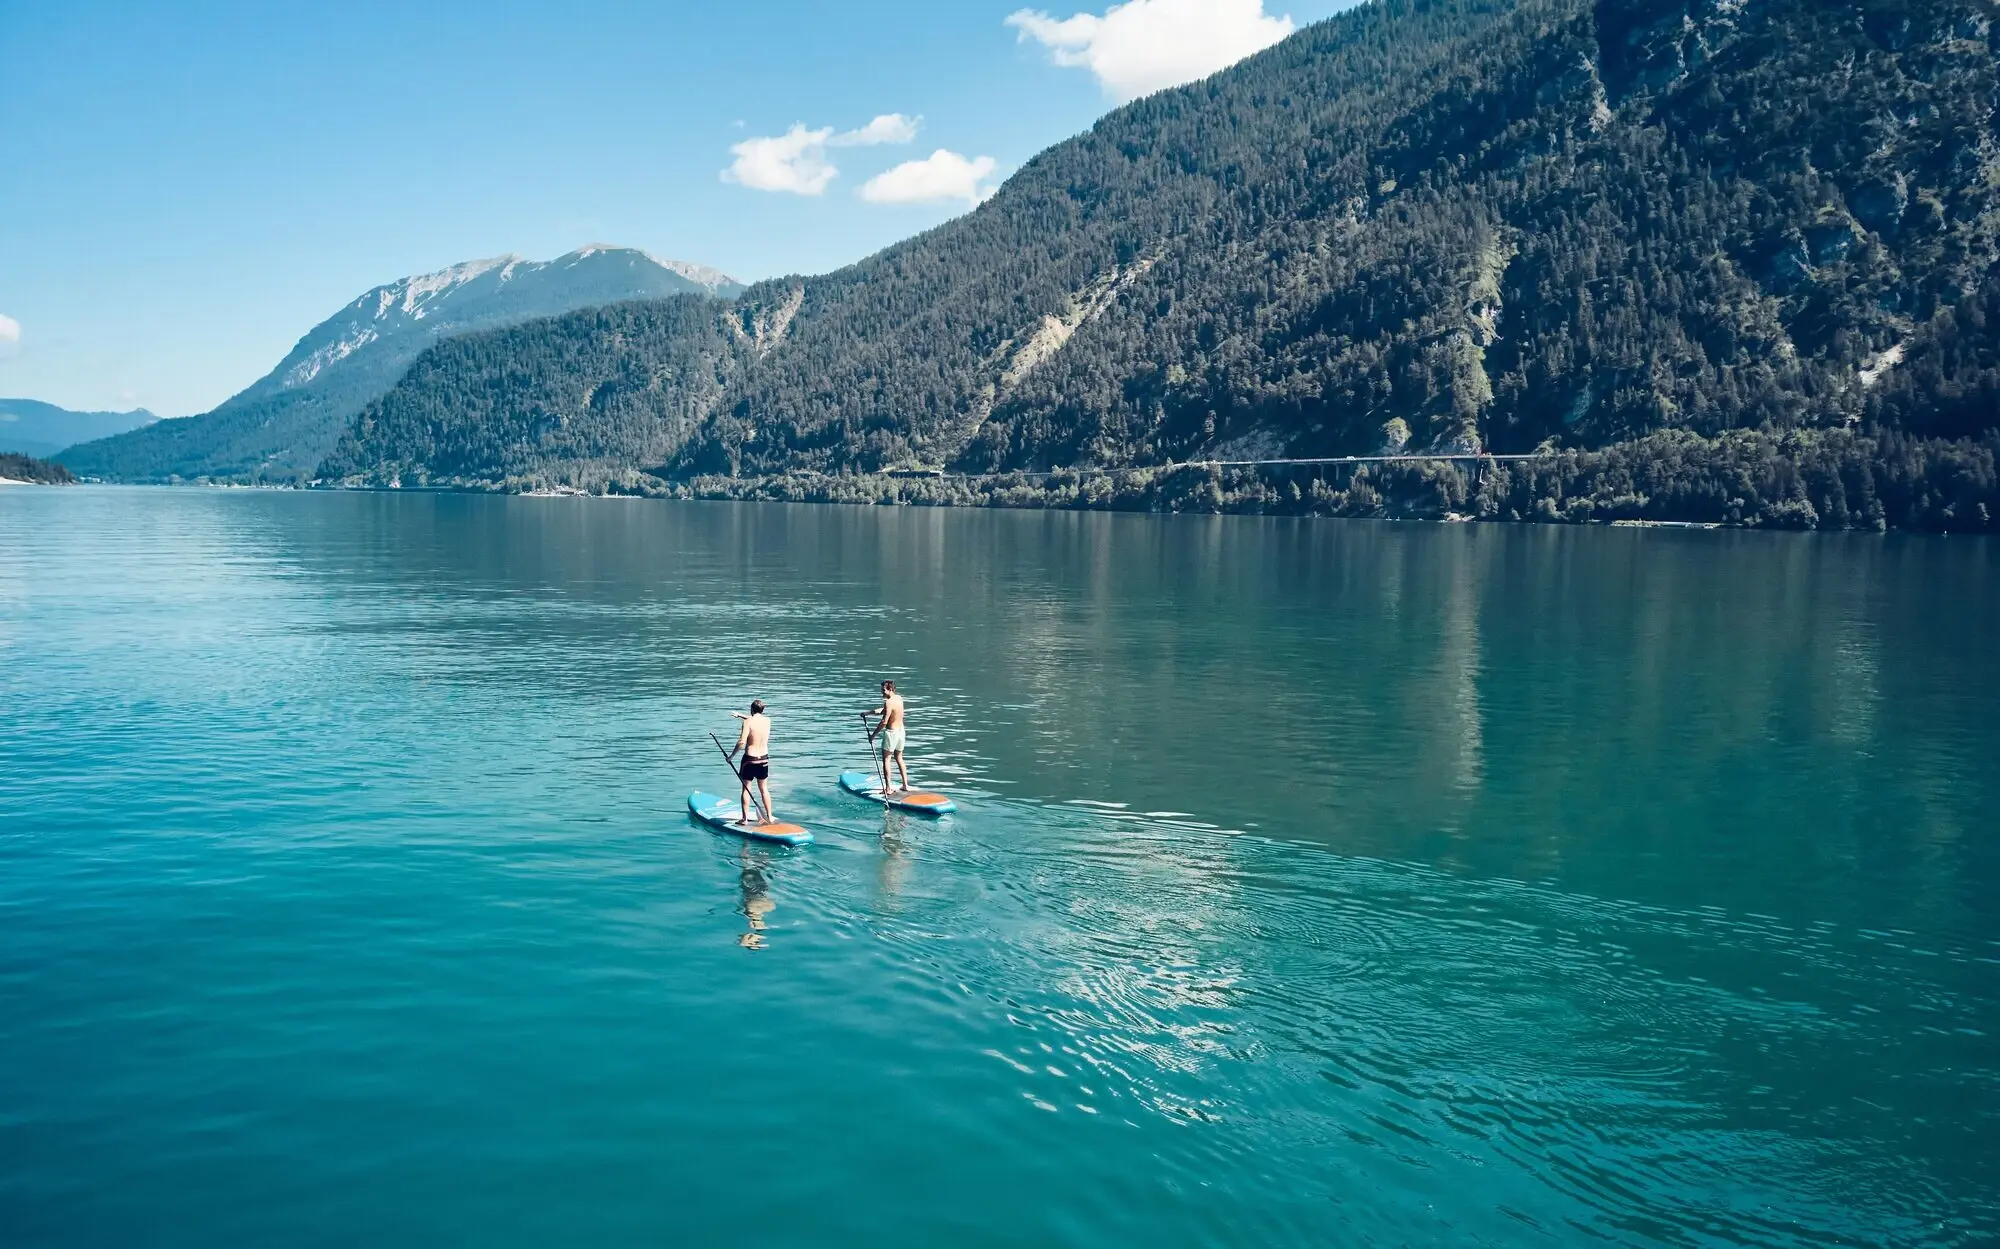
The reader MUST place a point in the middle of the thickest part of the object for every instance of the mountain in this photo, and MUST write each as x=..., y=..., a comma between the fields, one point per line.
x=287, y=421
x=29, y=427
x=618, y=386
x=1720, y=234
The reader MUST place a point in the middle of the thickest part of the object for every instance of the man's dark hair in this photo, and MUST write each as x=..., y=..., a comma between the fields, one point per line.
x=756, y=706
x=890, y=686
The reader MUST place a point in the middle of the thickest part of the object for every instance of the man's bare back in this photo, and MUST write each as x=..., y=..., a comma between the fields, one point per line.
x=754, y=741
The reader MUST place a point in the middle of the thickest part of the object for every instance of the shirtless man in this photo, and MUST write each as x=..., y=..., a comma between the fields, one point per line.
x=890, y=726
x=754, y=740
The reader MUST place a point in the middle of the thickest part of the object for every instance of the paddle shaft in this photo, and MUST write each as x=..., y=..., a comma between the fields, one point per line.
x=883, y=760
x=762, y=813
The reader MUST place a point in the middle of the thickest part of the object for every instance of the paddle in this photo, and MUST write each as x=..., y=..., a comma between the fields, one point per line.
x=883, y=760
x=761, y=813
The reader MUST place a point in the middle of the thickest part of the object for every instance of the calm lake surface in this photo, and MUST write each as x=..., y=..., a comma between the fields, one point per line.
x=1315, y=883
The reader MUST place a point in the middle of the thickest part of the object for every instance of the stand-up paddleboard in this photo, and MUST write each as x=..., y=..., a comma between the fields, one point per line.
x=725, y=815
x=867, y=785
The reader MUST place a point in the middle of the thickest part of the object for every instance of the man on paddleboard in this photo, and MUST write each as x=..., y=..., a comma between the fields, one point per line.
x=894, y=736
x=754, y=740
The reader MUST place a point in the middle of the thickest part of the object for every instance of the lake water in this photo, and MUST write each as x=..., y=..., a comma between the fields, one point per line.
x=1315, y=883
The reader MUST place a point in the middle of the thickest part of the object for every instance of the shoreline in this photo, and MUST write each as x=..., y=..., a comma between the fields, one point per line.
x=1802, y=481
x=1838, y=480
x=1749, y=479
x=708, y=496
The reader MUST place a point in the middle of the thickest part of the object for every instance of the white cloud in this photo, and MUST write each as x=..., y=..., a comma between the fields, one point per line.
x=943, y=176
x=795, y=162
x=888, y=128
x=10, y=336
x=1144, y=46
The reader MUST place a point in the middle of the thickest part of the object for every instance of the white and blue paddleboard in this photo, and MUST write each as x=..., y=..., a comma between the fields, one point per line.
x=725, y=815
x=868, y=785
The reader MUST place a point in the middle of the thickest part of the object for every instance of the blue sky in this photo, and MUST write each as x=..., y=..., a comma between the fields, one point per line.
x=187, y=187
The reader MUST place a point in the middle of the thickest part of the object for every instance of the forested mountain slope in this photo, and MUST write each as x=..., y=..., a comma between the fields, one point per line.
x=280, y=427
x=1440, y=223
x=614, y=387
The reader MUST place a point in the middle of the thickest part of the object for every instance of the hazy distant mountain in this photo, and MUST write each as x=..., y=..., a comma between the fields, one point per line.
x=30, y=427
x=286, y=422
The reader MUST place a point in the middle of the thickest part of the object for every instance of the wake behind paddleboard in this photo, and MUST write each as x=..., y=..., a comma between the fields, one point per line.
x=866, y=785
x=725, y=815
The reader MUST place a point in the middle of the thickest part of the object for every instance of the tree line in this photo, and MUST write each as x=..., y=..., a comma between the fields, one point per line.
x=17, y=467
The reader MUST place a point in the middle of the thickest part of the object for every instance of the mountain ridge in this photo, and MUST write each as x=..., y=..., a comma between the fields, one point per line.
x=33, y=428
x=283, y=424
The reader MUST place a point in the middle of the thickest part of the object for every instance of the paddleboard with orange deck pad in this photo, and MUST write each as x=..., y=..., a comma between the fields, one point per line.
x=868, y=785
x=725, y=815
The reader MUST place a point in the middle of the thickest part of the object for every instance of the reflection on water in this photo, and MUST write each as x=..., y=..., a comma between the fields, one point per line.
x=754, y=878
x=1312, y=881
x=899, y=852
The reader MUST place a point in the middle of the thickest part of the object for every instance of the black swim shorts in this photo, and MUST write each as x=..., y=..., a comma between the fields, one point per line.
x=755, y=768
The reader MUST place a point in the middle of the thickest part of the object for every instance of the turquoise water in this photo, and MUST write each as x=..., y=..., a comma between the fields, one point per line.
x=1314, y=883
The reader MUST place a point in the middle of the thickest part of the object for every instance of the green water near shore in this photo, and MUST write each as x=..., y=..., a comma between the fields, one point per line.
x=1314, y=881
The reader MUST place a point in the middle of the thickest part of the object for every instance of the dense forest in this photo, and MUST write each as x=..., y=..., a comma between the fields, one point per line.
x=268, y=437
x=15, y=467
x=1712, y=257
x=589, y=394
x=1799, y=480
